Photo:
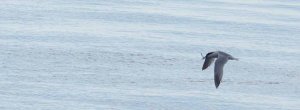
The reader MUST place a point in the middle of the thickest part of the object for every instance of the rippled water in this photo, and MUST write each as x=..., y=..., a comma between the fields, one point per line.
x=134, y=54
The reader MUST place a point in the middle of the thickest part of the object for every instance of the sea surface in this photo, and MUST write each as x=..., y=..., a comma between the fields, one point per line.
x=146, y=54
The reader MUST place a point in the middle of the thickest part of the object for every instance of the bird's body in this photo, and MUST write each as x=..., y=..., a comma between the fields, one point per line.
x=222, y=59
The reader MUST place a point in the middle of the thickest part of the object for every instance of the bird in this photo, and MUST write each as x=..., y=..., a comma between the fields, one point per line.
x=222, y=59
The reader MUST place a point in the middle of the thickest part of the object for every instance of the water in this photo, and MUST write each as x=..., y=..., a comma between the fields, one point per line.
x=136, y=55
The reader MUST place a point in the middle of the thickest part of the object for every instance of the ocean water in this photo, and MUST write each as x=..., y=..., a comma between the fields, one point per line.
x=146, y=55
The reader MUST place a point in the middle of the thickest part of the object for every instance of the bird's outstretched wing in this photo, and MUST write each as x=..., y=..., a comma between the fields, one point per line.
x=209, y=59
x=207, y=62
x=219, y=64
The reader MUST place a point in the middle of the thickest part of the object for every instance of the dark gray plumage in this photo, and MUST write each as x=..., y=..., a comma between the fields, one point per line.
x=222, y=59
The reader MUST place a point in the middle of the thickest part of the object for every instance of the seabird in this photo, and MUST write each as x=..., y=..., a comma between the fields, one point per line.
x=222, y=59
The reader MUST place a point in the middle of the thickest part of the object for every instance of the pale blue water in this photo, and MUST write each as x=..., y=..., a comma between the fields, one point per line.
x=136, y=55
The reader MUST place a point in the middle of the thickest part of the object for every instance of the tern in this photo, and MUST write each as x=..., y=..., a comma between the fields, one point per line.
x=222, y=59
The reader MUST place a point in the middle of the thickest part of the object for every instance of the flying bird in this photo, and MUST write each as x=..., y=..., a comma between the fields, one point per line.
x=222, y=59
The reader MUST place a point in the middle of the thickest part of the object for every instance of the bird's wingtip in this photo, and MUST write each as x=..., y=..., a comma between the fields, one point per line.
x=217, y=86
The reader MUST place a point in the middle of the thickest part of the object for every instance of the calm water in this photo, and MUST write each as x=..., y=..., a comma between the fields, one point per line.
x=136, y=55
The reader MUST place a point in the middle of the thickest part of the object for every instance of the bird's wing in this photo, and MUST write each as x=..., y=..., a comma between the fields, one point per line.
x=209, y=59
x=219, y=64
x=207, y=62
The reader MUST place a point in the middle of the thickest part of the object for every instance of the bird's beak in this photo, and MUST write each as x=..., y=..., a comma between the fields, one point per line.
x=236, y=59
x=203, y=57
